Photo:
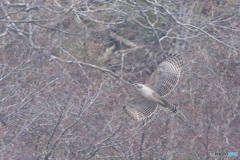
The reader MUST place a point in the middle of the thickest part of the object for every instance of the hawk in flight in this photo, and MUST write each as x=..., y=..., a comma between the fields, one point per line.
x=151, y=94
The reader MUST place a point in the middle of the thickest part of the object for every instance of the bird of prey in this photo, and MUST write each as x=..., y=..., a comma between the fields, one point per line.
x=160, y=84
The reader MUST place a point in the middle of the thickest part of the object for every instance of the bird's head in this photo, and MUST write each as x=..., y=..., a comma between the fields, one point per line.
x=138, y=85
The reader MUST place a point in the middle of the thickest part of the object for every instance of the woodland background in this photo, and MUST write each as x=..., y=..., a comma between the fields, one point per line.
x=64, y=66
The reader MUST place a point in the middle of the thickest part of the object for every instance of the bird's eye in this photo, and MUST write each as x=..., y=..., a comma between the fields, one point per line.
x=138, y=86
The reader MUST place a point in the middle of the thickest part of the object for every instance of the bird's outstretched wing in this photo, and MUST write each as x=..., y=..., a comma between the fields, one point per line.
x=140, y=109
x=167, y=74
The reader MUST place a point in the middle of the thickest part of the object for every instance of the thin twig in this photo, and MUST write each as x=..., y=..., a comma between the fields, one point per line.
x=96, y=67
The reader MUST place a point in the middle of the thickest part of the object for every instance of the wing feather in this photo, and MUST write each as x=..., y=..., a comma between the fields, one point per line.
x=141, y=109
x=167, y=74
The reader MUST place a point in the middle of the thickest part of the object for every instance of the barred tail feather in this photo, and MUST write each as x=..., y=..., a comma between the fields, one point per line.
x=171, y=109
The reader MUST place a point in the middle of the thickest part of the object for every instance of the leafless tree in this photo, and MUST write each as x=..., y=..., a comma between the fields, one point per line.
x=65, y=68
